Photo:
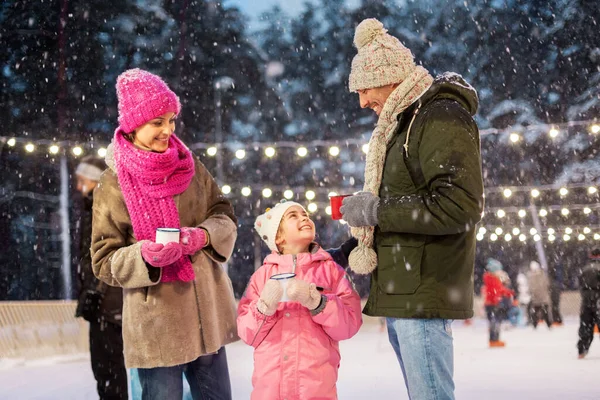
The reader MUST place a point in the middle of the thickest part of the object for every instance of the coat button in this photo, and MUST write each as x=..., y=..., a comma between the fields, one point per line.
x=285, y=358
x=287, y=314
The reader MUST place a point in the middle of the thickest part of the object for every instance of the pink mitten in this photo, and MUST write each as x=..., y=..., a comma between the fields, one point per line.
x=159, y=255
x=192, y=240
x=304, y=293
x=269, y=297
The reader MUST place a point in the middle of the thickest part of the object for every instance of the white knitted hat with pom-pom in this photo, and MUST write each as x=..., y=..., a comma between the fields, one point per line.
x=381, y=60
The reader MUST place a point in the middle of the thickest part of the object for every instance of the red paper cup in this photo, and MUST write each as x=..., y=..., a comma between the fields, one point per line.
x=336, y=203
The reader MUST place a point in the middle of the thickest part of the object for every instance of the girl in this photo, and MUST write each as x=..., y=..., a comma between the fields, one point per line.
x=179, y=309
x=296, y=352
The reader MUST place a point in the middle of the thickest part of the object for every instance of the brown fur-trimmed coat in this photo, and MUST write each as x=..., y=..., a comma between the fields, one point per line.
x=173, y=323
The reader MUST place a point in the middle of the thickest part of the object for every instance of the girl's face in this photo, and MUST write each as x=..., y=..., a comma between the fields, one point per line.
x=296, y=231
x=154, y=135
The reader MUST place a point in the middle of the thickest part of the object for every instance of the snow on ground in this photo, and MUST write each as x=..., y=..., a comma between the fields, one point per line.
x=539, y=364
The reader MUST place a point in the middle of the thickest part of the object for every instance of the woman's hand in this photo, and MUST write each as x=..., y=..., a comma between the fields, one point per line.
x=193, y=239
x=159, y=255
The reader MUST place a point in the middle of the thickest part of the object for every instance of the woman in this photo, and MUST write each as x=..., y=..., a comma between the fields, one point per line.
x=178, y=309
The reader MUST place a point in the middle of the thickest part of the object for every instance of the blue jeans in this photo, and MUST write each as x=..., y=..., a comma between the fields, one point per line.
x=208, y=377
x=426, y=355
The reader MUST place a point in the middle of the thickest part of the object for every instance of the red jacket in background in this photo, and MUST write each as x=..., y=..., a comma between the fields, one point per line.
x=494, y=290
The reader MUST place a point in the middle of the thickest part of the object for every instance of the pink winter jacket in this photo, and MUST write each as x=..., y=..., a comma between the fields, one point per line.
x=296, y=355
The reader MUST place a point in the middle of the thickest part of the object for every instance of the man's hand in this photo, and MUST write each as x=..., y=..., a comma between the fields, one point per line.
x=360, y=209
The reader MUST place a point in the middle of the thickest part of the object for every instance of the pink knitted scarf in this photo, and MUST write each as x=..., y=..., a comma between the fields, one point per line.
x=149, y=181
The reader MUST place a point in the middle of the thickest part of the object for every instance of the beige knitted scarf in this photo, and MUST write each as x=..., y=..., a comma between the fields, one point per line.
x=363, y=259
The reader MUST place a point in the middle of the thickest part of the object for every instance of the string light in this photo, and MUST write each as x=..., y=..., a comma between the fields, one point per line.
x=500, y=213
x=508, y=237
x=246, y=191
x=498, y=231
x=550, y=231
x=102, y=152
x=551, y=238
x=312, y=207
x=11, y=142
x=507, y=193
x=587, y=230
x=522, y=237
x=596, y=236
x=516, y=231
x=328, y=210
x=77, y=151
x=310, y=195
x=267, y=193
x=563, y=191
x=533, y=231
x=288, y=194
x=553, y=133
x=302, y=151
x=564, y=211
x=54, y=149
x=581, y=237
x=587, y=210
x=482, y=230
x=493, y=237
x=592, y=190
x=211, y=151
x=535, y=193
x=226, y=189
x=537, y=238
x=522, y=213
x=334, y=151
x=568, y=231
x=595, y=129
x=29, y=147
x=240, y=154
x=269, y=152
x=515, y=137
x=543, y=212
x=365, y=148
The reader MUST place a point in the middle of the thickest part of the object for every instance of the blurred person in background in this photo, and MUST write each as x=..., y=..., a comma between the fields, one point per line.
x=589, y=286
x=99, y=304
x=495, y=294
x=539, y=287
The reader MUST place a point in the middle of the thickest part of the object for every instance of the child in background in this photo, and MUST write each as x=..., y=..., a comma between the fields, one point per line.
x=494, y=292
x=296, y=352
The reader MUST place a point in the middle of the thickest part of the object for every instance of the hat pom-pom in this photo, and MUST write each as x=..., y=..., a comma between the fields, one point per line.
x=366, y=31
x=362, y=260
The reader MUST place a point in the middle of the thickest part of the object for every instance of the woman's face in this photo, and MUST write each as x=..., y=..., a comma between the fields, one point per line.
x=154, y=135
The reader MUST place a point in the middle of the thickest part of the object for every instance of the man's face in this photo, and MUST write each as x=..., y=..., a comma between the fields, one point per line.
x=375, y=98
x=85, y=186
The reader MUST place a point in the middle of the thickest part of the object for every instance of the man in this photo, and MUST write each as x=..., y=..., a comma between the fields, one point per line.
x=589, y=285
x=423, y=195
x=99, y=304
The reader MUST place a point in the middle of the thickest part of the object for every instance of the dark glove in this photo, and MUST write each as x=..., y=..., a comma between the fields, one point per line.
x=159, y=255
x=340, y=254
x=88, y=305
x=360, y=209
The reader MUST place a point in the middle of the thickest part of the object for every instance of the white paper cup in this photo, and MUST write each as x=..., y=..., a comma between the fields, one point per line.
x=283, y=280
x=167, y=235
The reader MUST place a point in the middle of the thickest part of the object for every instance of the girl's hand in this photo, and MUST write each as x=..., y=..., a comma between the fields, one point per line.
x=270, y=297
x=304, y=293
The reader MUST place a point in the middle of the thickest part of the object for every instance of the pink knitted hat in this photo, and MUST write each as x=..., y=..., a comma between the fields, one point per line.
x=143, y=96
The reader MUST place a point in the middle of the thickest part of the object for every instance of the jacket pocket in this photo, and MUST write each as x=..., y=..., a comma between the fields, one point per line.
x=399, y=270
